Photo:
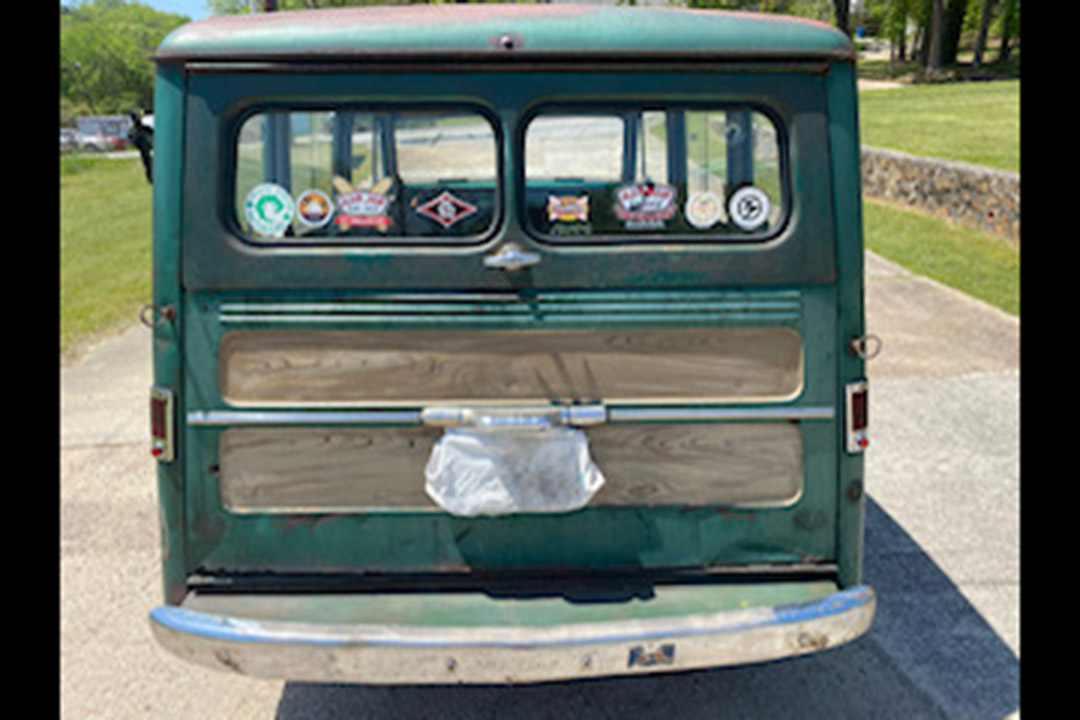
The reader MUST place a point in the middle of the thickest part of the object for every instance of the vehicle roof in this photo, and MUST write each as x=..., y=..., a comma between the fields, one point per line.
x=480, y=32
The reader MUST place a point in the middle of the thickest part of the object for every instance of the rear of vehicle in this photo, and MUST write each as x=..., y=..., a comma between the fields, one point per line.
x=507, y=344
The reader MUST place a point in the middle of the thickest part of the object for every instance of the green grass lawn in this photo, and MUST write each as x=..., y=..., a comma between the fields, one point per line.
x=105, y=241
x=975, y=122
x=975, y=263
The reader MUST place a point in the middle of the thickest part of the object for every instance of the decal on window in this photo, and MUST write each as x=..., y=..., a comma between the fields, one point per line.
x=446, y=209
x=645, y=206
x=314, y=208
x=269, y=210
x=364, y=208
x=569, y=214
x=704, y=209
x=749, y=207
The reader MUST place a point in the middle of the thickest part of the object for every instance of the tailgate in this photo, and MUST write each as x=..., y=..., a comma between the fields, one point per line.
x=310, y=427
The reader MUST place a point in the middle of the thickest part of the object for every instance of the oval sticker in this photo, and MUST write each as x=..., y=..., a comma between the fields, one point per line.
x=269, y=209
x=704, y=209
x=749, y=207
x=314, y=208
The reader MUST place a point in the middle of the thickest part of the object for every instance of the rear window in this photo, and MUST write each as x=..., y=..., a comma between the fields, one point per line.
x=365, y=176
x=714, y=174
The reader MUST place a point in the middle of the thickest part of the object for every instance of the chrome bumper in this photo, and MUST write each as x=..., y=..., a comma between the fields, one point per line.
x=518, y=654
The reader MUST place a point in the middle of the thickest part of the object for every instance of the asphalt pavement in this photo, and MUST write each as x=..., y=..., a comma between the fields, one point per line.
x=942, y=552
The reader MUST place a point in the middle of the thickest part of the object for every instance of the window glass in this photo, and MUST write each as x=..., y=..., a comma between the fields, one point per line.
x=574, y=148
x=346, y=176
x=709, y=173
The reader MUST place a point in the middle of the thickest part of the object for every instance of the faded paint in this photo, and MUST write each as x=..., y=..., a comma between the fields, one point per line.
x=221, y=283
x=428, y=30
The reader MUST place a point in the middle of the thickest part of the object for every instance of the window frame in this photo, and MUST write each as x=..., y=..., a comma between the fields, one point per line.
x=233, y=225
x=624, y=109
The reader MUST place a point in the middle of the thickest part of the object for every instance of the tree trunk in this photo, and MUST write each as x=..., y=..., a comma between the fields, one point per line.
x=953, y=24
x=984, y=28
x=1006, y=30
x=920, y=48
x=935, y=36
x=841, y=8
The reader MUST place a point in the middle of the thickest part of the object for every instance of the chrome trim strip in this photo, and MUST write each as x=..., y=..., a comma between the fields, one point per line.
x=514, y=416
x=574, y=415
x=510, y=654
x=647, y=414
x=205, y=418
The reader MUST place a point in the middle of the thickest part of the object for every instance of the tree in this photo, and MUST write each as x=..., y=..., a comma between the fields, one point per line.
x=105, y=51
x=1010, y=27
x=934, y=54
x=894, y=26
x=952, y=25
x=984, y=28
x=842, y=9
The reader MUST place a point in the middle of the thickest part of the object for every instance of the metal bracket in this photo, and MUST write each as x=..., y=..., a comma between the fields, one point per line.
x=867, y=347
x=152, y=316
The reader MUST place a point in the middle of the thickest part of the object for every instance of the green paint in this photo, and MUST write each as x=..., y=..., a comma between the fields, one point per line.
x=642, y=31
x=807, y=277
x=542, y=609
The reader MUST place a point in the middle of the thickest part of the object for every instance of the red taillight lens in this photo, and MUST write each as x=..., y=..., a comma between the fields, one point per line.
x=158, y=406
x=161, y=423
x=859, y=419
x=857, y=412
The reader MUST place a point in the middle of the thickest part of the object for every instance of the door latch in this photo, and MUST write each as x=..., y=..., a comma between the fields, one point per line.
x=511, y=257
x=515, y=418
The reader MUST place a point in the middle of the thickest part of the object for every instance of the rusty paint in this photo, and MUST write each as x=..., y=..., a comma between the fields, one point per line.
x=226, y=26
x=286, y=524
x=813, y=641
x=226, y=659
x=426, y=30
x=769, y=18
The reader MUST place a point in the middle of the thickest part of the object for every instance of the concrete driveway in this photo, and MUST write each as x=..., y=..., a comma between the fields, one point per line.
x=942, y=553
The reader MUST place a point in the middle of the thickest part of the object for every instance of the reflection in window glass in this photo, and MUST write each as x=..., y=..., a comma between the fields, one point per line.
x=447, y=148
x=344, y=176
x=729, y=151
x=574, y=148
x=712, y=173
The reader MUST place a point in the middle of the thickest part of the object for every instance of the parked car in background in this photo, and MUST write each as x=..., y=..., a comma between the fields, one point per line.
x=117, y=142
x=68, y=140
x=92, y=142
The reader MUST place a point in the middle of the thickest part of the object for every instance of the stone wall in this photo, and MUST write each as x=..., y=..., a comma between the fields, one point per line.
x=978, y=197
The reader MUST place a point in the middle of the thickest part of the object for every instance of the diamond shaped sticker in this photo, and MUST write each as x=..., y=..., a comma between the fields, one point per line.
x=446, y=209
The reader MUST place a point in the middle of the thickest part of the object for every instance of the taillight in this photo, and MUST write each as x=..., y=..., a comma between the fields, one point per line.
x=857, y=416
x=161, y=424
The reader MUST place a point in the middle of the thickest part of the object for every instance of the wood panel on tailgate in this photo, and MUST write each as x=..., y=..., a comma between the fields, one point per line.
x=377, y=367
x=281, y=469
x=382, y=468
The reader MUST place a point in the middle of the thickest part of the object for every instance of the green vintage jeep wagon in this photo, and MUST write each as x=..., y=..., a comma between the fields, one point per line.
x=507, y=343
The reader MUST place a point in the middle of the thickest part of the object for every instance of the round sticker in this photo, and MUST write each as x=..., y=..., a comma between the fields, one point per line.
x=313, y=208
x=749, y=207
x=269, y=209
x=704, y=209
